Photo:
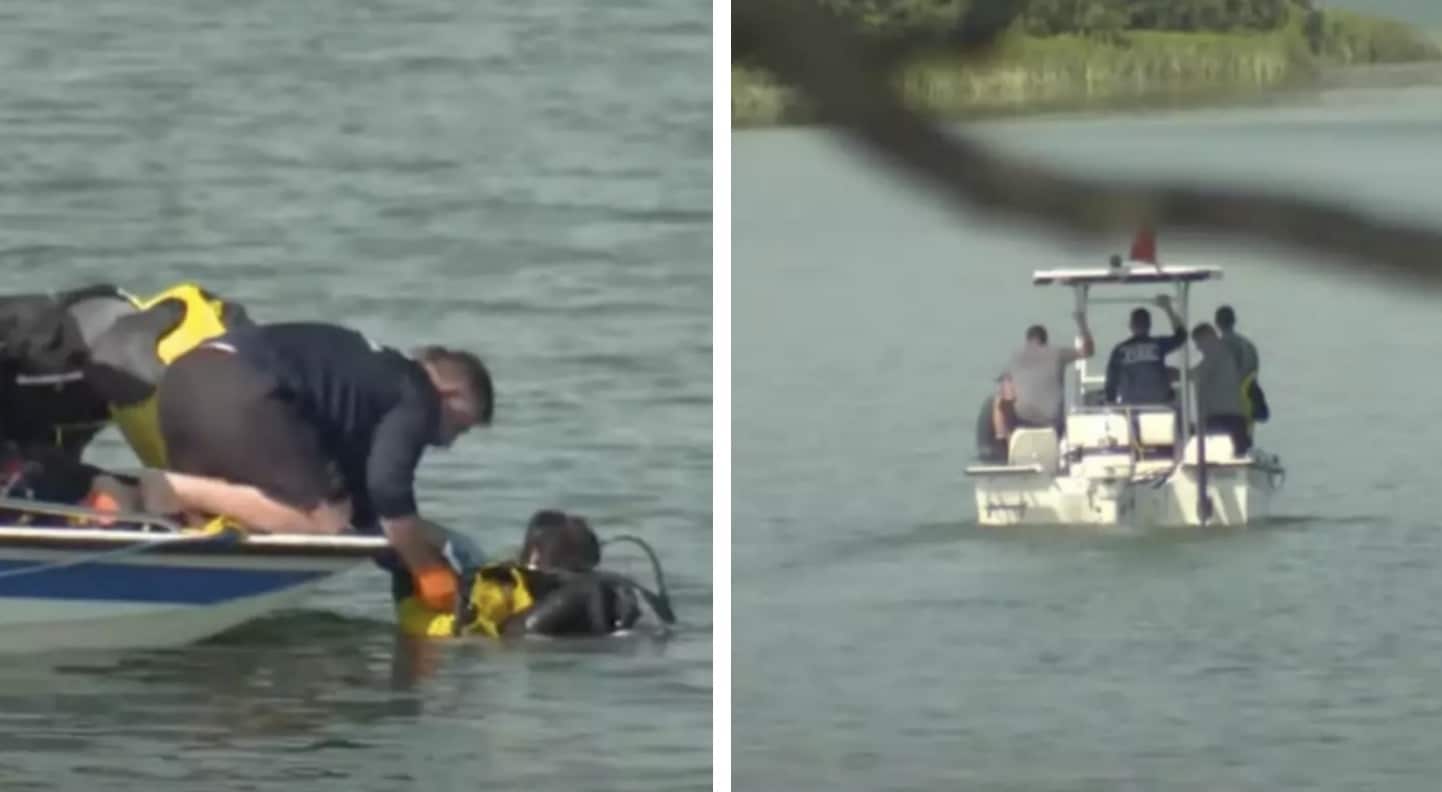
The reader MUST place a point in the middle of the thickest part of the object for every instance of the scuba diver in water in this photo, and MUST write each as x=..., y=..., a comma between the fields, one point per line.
x=553, y=588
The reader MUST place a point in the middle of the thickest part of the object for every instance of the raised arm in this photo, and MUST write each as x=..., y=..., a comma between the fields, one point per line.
x=1089, y=347
x=1179, y=331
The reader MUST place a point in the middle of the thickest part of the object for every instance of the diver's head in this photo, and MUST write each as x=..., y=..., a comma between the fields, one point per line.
x=557, y=540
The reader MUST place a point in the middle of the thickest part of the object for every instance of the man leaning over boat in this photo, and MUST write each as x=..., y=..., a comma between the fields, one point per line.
x=306, y=428
x=312, y=428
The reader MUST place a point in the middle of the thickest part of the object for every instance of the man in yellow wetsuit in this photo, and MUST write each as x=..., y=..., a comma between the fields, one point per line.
x=46, y=402
x=74, y=362
x=553, y=588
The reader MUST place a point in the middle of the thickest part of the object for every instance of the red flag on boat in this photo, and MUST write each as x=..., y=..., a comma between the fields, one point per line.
x=1144, y=246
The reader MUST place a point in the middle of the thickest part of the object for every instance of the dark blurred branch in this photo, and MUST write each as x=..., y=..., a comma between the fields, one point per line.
x=849, y=84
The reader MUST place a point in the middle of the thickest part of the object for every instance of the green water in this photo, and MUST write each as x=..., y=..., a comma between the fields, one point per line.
x=883, y=641
x=531, y=181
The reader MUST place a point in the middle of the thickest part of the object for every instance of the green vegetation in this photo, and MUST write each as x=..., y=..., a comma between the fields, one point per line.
x=1346, y=38
x=1070, y=53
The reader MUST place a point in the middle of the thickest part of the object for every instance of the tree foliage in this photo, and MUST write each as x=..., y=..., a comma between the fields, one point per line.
x=1053, y=17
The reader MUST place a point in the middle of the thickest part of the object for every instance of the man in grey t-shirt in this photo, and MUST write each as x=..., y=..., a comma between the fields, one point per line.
x=1219, y=388
x=1241, y=347
x=1249, y=363
x=1036, y=374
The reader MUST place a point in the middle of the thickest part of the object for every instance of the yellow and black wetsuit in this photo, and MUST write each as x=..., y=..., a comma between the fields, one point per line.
x=506, y=598
x=129, y=359
x=71, y=362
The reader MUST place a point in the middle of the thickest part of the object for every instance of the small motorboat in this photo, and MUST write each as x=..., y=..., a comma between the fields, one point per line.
x=1139, y=466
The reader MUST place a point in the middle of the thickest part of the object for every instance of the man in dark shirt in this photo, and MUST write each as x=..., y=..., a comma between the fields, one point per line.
x=1137, y=372
x=309, y=428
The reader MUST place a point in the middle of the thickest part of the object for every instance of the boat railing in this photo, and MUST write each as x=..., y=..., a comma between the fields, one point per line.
x=148, y=522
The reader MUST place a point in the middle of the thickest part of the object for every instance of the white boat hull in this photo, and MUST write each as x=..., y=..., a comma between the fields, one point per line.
x=40, y=625
x=71, y=589
x=1239, y=495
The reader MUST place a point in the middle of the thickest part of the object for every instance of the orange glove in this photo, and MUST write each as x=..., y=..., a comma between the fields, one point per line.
x=436, y=588
x=102, y=501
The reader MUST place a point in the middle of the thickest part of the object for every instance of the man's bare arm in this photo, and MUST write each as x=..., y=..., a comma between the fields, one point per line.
x=1089, y=346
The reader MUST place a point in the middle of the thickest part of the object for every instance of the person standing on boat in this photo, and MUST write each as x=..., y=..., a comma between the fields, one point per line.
x=1035, y=379
x=1244, y=352
x=1137, y=371
x=1219, y=388
x=311, y=428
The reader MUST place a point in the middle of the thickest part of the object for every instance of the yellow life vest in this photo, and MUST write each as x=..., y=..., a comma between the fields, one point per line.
x=204, y=319
x=1248, y=409
x=499, y=592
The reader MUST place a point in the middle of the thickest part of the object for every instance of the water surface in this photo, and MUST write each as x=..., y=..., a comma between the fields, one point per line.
x=531, y=181
x=883, y=641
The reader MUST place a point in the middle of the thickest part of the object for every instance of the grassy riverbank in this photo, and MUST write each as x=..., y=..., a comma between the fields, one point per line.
x=1032, y=73
x=1350, y=38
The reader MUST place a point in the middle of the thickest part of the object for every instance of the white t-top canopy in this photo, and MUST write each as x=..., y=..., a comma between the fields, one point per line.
x=1131, y=272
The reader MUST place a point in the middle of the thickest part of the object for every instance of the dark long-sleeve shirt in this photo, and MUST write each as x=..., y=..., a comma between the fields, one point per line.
x=1137, y=371
x=374, y=408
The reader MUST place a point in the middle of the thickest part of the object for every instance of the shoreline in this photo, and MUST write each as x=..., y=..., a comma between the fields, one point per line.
x=1142, y=70
x=1361, y=77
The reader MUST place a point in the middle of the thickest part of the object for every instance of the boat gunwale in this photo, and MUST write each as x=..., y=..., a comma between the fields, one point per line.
x=286, y=545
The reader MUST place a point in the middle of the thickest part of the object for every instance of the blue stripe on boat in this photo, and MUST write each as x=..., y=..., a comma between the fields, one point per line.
x=129, y=583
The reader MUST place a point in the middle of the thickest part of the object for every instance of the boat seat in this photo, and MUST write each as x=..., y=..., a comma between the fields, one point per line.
x=1157, y=428
x=1102, y=430
x=1219, y=447
x=1034, y=447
